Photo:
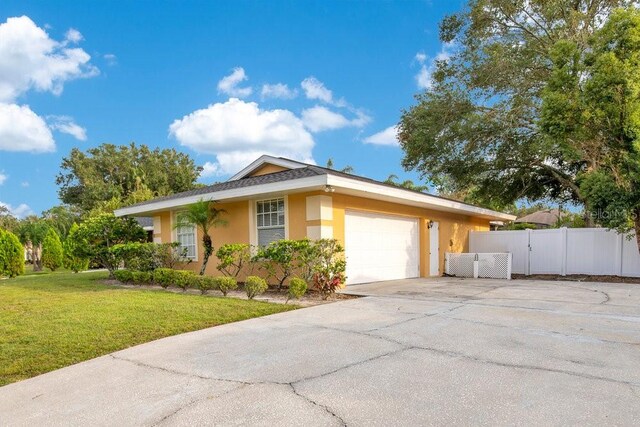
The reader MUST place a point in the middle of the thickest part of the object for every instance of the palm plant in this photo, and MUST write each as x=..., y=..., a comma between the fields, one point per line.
x=204, y=216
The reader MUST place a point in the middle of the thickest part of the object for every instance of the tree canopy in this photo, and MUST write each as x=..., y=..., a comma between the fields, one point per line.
x=123, y=174
x=96, y=235
x=591, y=113
x=476, y=131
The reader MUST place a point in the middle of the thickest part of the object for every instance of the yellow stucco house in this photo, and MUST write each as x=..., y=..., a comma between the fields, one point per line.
x=388, y=232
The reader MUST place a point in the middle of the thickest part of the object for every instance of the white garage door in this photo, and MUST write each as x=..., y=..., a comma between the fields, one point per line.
x=380, y=247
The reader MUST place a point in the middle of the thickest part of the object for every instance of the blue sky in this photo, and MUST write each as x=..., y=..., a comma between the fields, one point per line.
x=223, y=82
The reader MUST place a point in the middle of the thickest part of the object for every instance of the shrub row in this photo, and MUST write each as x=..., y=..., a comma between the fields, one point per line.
x=185, y=279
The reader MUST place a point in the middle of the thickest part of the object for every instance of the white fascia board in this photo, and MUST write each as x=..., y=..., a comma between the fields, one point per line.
x=265, y=158
x=302, y=184
x=384, y=192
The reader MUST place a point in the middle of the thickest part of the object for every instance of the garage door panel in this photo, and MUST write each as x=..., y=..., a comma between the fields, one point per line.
x=380, y=247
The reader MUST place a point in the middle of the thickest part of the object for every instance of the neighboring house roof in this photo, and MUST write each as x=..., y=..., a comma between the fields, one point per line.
x=145, y=222
x=548, y=217
x=305, y=177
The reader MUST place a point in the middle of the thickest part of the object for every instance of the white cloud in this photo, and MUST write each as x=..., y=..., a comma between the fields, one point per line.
x=315, y=89
x=3, y=177
x=278, y=90
x=424, y=78
x=66, y=125
x=20, y=211
x=318, y=119
x=30, y=59
x=110, y=58
x=23, y=130
x=73, y=36
x=229, y=84
x=24, y=184
x=238, y=132
x=209, y=169
x=389, y=136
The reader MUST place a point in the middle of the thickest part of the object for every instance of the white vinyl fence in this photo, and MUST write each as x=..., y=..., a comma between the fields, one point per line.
x=563, y=251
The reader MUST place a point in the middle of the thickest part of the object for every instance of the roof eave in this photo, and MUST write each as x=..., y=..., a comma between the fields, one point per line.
x=309, y=183
x=404, y=196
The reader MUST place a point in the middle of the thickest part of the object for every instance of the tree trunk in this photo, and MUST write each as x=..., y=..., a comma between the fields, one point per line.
x=37, y=257
x=208, y=250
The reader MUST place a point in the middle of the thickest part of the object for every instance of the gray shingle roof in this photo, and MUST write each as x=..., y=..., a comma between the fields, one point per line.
x=287, y=175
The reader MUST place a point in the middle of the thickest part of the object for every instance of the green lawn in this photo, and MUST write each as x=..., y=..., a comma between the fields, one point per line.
x=48, y=321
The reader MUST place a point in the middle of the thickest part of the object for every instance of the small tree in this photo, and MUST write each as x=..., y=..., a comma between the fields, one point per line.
x=97, y=235
x=11, y=254
x=204, y=216
x=233, y=258
x=52, y=254
x=281, y=258
x=71, y=260
x=32, y=232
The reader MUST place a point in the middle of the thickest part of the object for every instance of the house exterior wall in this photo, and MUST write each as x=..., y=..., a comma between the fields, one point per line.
x=267, y=169
x=453, y=229
x=319, y=214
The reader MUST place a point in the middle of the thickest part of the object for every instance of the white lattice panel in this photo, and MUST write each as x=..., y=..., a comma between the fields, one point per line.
x=484, y=265
x=494, y=266
x=459, y=265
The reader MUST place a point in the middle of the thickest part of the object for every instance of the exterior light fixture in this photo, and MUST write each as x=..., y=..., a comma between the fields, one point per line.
x=329, y=189
x=430, y=224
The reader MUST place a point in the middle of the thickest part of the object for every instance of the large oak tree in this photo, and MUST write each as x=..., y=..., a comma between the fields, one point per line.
x=476, y=131
x=114, y=175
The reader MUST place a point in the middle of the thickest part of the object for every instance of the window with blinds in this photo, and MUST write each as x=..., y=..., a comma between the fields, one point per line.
x=270, y=220
x=186, y=236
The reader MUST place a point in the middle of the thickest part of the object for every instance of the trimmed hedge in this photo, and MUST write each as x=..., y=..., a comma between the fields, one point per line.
x=183, y=279
x=226, y=284
x=255, y=285
x=142, y=277
x=297, y=288
x=124, y=276
x=205, y=283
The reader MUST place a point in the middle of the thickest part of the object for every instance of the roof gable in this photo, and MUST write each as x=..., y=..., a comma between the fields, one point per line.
x=266, y=164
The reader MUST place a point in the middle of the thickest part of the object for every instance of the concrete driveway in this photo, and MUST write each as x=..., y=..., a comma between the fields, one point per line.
x=440, y=351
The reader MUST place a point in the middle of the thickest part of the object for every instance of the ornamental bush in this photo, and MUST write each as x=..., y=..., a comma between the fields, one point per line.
x=205, y=283
x=124, y=276
x=72, y=261
x=169, y=255
x=233, y=258
x=297, y=288
x=11, y=254
x=183, y=279
x=142, y=277
x=164, y=277
x=255, y=286
x=136, y=256
x=329, y=268
x=99, y=233
x=52, y=253
x=281, y=258
x=226, y=284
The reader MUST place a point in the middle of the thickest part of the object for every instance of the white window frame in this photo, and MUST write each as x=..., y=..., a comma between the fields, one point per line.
x=176, y=235
x=283, y=226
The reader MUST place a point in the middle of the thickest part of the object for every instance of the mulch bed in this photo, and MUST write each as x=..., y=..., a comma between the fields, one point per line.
x=577, y=278
x=311, y=298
